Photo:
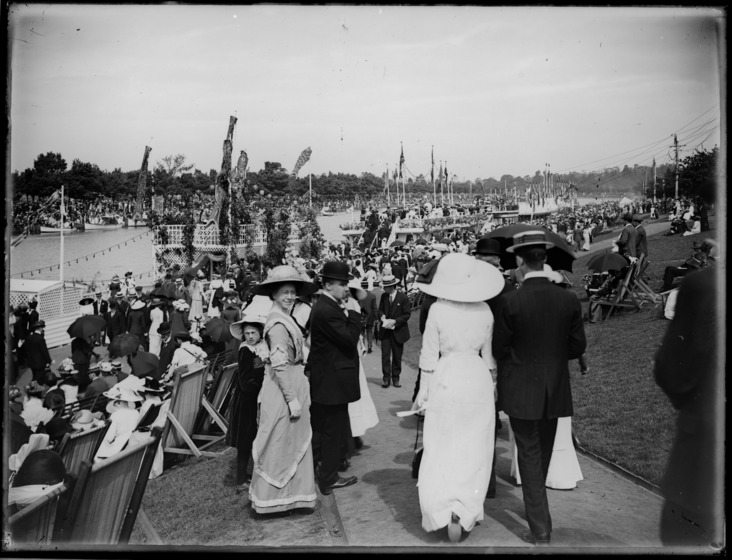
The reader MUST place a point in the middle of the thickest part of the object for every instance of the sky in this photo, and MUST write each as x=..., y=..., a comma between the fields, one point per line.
x=490, y=90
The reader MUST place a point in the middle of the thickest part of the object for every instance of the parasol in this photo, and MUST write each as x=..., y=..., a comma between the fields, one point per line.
x=218, y=330
x=144, y=364
x=607, y=261
x=421, y=241
x=397, y=243
x=86, y=326
x=559, y=257
x=123, y=345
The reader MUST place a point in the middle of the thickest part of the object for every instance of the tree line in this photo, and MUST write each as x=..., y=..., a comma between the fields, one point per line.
x=173, y=176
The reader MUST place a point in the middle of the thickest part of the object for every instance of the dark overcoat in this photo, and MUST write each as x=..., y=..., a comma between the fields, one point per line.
x=333, y=359
x=539, y=328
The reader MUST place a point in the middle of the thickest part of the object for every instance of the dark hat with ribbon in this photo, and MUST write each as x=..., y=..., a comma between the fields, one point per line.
x=334, y=270
x=488, y=247
x=164, y=328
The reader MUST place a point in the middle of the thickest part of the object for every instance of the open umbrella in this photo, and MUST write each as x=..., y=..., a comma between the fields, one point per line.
x=559, y=257
x=397, y=243
x=123, y=345
x=144, y=364
x=606, y=261
x=218, y=329
x=86, y=326
x=421, y=241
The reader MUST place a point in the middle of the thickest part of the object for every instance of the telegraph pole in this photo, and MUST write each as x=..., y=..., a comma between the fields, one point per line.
x=654, y=181
x=676, y=181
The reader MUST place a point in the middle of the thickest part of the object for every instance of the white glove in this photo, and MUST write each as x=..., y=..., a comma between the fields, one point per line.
x=424, y=390
x=295, y=408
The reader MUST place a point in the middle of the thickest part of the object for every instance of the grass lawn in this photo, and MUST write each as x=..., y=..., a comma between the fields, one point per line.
x=620, y=413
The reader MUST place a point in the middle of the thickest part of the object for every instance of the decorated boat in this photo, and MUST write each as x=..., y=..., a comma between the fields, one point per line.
x=105, y=222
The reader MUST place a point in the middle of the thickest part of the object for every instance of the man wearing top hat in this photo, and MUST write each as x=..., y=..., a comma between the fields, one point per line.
x=393, y=315
x=37, y=356
x=538, y=329
x=335, y=328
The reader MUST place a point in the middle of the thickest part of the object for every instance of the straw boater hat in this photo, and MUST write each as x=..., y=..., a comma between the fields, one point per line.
x=389, y=280
x=462, y=278
x=356, y=290
x=529, y=239
x=284, y=274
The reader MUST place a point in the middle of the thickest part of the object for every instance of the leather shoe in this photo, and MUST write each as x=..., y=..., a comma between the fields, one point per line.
x=340, y=483
x=396, y=384
x=538, y=540
x=385, y=384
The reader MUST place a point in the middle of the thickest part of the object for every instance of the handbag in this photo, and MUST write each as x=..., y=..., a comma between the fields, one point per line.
x=417, y=459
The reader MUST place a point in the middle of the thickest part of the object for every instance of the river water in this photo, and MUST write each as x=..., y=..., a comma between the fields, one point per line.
x=124, y=249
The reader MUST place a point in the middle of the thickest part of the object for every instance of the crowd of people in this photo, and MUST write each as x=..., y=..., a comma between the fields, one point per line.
x=493, y=340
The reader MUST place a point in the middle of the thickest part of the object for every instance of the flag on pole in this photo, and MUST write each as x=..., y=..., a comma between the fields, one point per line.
x=401, y=162
x=432, y=171
x=386, y=179
x=302, y=160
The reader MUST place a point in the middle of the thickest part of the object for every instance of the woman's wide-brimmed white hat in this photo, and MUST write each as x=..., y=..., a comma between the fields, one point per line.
x=255, y=312
x=126, y=394
x=281, y=275
x=137, y=304
x=355, y=286
x=460, y=277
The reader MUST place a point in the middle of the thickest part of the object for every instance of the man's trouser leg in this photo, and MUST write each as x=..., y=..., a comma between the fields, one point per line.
x=534, y=443
x=396, y=360
x=386, y=344
x=331, y=423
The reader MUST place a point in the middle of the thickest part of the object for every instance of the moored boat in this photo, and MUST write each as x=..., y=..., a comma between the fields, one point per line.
x=106, y=222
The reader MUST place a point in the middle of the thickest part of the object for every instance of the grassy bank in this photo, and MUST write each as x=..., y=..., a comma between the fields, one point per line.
x=620, y=413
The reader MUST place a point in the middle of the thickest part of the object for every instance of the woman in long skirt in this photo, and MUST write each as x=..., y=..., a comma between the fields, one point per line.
x=283, y=477
x=457, y=394
x=247, y=384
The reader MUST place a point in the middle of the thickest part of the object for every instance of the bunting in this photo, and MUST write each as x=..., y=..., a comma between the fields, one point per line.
x=302, y=160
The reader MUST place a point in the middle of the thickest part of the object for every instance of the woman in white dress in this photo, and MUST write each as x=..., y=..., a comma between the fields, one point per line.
x=195, y=288
x=157, y=316
x=457, y=394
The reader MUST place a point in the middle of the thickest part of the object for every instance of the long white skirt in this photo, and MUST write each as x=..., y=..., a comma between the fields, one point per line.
x=564, y=468
x=362, y=413
x=459, y=430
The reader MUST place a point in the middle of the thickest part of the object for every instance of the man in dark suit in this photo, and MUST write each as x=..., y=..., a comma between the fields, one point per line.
x=394, y=311
x=116, y=320
x=369, y=310
x=137, y=321
x=38, y=357
x=335, y=328
x=168, y=347
x=690, y=369
x=628, y=242
x=100, y=308
x=539, y=328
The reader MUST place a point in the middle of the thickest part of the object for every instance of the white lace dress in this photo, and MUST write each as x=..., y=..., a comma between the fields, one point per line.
x=460, y=417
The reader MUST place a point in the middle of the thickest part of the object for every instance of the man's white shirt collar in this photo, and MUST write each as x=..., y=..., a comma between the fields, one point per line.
x=536, y=274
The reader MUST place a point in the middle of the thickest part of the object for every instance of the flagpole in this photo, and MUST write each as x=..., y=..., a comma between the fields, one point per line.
x=311, y=190
x=434, y=190
x=61, y=263
x=388, y=197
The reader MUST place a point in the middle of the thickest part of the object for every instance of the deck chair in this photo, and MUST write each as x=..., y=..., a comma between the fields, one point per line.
x=102, y=503
x=75, y=448
x=92, y=403
x=638, y=284
x=33, y=526
x=622, y=296
x=185, y=402
x=216, y=400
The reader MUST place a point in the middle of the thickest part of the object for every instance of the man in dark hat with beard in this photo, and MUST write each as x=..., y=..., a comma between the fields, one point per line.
x=334, y=365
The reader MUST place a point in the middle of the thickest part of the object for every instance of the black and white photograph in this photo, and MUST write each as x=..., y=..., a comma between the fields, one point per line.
x=289, y=278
